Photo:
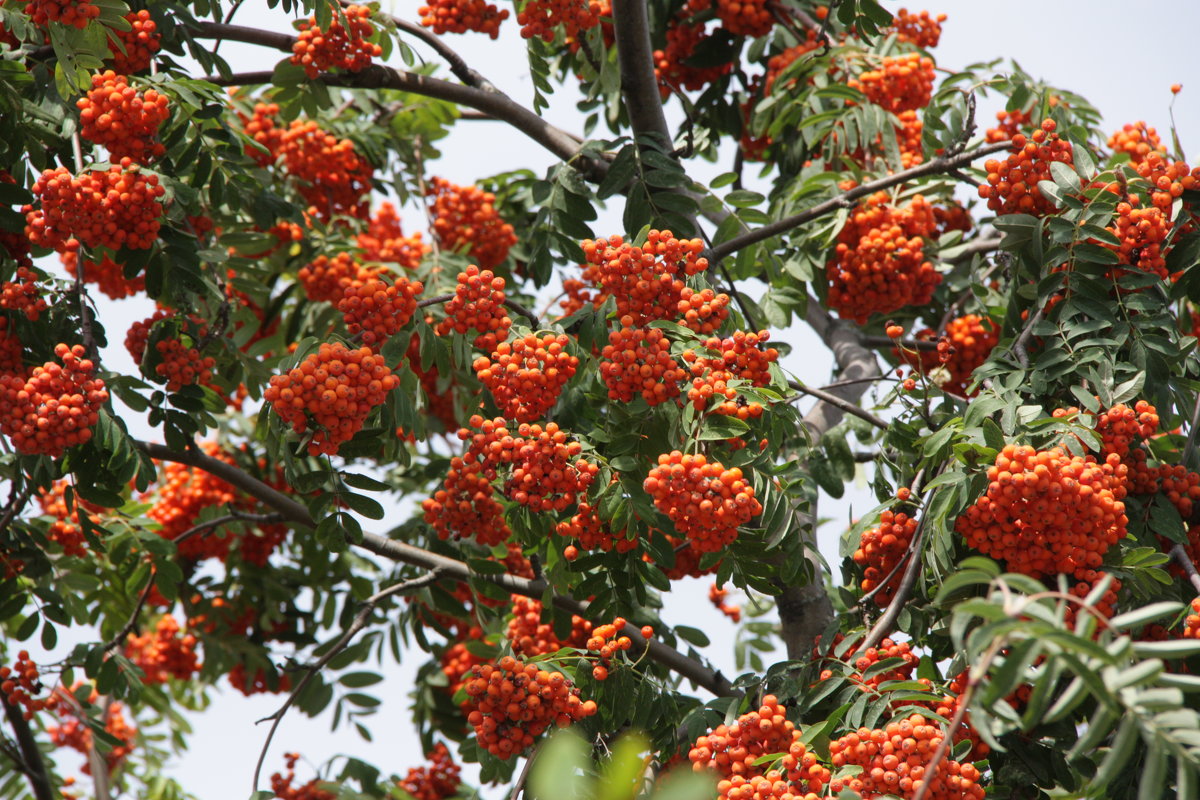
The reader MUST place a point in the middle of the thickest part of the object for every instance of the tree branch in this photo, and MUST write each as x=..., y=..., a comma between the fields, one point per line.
x=636, y=59
x=359, y=622
x=34, y=766
x=698, y=673
x=1183, y=560
x=844, y=405
x=855, y=362
x=846, y=199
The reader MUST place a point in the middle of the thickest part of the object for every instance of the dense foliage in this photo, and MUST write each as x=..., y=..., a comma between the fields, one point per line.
x=572, y=418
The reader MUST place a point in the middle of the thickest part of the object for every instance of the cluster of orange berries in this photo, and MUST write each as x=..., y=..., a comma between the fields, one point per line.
x=921, y=29
x=164, y=654
x=465, y=217
x=776, y=64
x=1086, y=581
x=456, y=660
x=606, y=641
x=707, y=502
x=1008, y=125
x=511, y=703
x=261, y=127
x=1047, y=512
x=384, y=240
x=180, y=365
x=1120, y=427
x=23, y=294
x=340, y=46
x=460, y=16
x=334, y=390
x=645, y=281
x=739, y=357
x=895, y=761
x=733, y=752
x=55, y=407
x=184, y=492
x=465, y=505
x=1168, y=179
x=543, y=17
x=1191, y=625
x=282, y=784
x=546, y=470
x=592, y=533
x=683, y=37
x=261, y=682
x=687, y=561
x=901, y=83
x=66, y=531
x=1137, y=140
x=140, y=43
x=638, y=361
x=746, y=17
x=863, y=663
x=717, y=597
x=478, y=305
x=329, y=173
x=527, y=375
x=76, y=13
x=119, y=207
x=12, y=351
x=376, y=309
x=531, y=637
x=108, y=275
x=325, y=277
x=948, y=706
x=437, y=781
x=879, y=265
x=880, y=551
x=75, y=733
x=967, y=343
x=1142, y=232
x=119, y=117
x=1012, y=184
x=20, y=682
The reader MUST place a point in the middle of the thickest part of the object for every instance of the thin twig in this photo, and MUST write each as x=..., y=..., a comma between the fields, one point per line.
x=844, y=405
x=359, y=622
x=1190, y=445
x=887, y=341
x=1184, y=560
x=1018, y=346
x=236, y=516
x=908, y=553
x=131, y=623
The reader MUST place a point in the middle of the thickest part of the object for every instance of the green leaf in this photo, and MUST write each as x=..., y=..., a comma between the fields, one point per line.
x=693, y=636
x=560, y=768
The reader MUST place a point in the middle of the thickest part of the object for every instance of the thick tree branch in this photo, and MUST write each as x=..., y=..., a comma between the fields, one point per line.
x=636, y=59
x=360, y=621
x=1185, y=562
x=696, y=672
x=855, y=362
x=33, y=765
x=846, y=199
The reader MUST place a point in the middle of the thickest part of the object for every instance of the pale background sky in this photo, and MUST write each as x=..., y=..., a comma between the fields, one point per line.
x=1081, y=46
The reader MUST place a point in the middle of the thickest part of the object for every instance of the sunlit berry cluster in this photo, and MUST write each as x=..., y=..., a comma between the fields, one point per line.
x=1047, y=512
x=637, y=361
x=140, y=43
x=465, y=506
x=512, y=703
x=545, y=470
x=862, y=664
x=1191, y=624
x=921, y=29
x=327, y=171
x=20, y=682
x=261, y=126
x=717, y=597
x=340, y=46
x=23, y=294
x=164, y=653
x=1137, y=140
x=592, y=533
x=948, y=706
x=284, y=786
x=606, y=641
x=746, y=17
x=1143, y=232
x=331, y=392
x=1012, y=184
x=734, y=751
x=966, y=345
x=527, y=375
x=707, y=502
x=384, y=241
x=880, y=551
x=739, y=357
x=1168, y=179
x=377, y=309
x=76, y=13
x=702, y=311
x=179, y=364
x=465, y=218
x=477, y=305
x=544, y=17
x=647, y=281
x=119, y=207
x=460, y=16
x=325, y=277
x=879, y=265
x=438, y=780
x=1008, y=125
x=895, y=761
x=899, y=83
x=530, y=636
x=122, y=119
x=55, y=406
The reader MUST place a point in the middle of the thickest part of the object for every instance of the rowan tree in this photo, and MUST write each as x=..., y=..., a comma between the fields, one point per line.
x=565, y=416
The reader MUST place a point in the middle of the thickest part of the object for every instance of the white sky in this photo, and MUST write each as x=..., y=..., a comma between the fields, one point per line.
x=1082, y=46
